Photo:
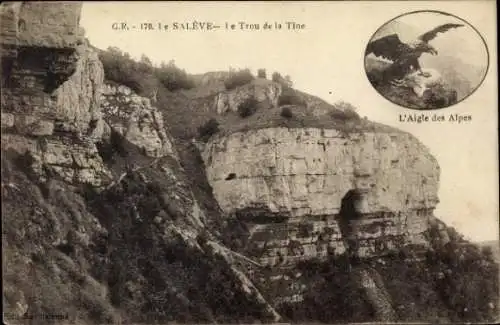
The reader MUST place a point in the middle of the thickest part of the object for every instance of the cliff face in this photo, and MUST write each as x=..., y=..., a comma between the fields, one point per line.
x=108, y=218
x=263, y=91
x=310, y=194
x=303, y=176
x=135, y=119
x=91, y=184
x=51, y=89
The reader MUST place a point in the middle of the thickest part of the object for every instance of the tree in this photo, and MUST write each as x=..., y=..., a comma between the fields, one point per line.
x=208, y=129
x=238, y=78
x=285, y=82
x=488, y=254
x=344, y=111
x=261, y=73
x=247, y=107
x=145, y=65
x=172, y=77
x=146, y=61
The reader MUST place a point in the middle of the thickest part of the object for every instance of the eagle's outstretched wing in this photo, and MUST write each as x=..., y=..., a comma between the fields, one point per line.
x=389, y=47
x=426, y=37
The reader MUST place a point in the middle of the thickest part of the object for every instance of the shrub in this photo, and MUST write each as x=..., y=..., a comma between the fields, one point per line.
x=208, y=129
x=142, y=77
x=173, y=78
x=261, y=73
x=290, y=97
x=247, y=107
x=344, y=111
x=488, y=254
x=238, y=78
x=119, y=67
x=285, y=82
x=286, y=112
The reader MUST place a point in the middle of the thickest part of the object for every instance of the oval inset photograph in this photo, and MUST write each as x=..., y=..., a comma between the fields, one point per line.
x=426, y=60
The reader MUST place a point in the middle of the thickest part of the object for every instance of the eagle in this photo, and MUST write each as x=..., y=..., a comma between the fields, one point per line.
x=404, y=56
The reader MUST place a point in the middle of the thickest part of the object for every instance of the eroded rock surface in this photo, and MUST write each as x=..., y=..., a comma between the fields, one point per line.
x=100, y=187
x=51, y=92
x=134, y=118
x=309, y=193
x=263, y=91
x=105, y=220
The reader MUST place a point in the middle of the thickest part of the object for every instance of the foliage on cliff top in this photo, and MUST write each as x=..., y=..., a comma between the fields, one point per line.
x=184, y=113
x=188, y=102
x=238, y=78
x=141, y=76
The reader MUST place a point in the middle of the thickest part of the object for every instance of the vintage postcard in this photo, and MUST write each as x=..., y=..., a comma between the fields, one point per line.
x=308, y=162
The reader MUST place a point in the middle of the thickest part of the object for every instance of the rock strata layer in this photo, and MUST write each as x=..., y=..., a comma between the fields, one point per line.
x=261, y=90
x=135, y=119
x=307, y=193
x=51, y=93
x=300, y=177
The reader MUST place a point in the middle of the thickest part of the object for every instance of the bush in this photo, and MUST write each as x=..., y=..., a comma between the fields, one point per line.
x=142, y=77
x=290, y=97
x=286, y=112
x=208, y=129
x=173, y=78
x=470, y=285
x=285, y=82
x=344, y=111
x=238, y=78
x=261, y=73
x=247, y=107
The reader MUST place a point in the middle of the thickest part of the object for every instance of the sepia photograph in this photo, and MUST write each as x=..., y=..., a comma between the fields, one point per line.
x=259, y=162
x=403, y=63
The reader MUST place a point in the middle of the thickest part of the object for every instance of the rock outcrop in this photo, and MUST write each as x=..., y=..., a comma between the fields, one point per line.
x=110, y=219
x=136, y=120
x=79, y=197
x=309, y=193
x=50, y=100
x=263, y=91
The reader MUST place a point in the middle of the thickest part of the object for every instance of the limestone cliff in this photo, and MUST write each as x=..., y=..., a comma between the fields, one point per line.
x=303, y=176
x=112, y=214
x=135, y=119
x=90, y=183
x=262, y=91
x=50, y=100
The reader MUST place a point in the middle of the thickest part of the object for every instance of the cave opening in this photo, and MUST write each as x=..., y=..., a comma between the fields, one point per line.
x=230, y=176
x=347, y=219
x=348, y=206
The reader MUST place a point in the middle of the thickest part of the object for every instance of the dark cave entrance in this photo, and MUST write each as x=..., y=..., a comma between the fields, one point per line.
x=348, y=207
x=230, y=176
x=348, y=219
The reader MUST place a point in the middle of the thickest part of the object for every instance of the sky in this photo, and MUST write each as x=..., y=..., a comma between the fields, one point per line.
x=325, y=58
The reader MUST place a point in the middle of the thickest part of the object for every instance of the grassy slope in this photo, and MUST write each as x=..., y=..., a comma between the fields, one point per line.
x=185, y=111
